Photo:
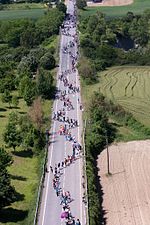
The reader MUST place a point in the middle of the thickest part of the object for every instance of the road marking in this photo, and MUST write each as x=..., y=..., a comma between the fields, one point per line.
x=51, y=148
x=80, y=160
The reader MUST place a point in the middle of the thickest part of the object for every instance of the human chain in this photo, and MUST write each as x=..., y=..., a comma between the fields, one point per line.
x=67, y=123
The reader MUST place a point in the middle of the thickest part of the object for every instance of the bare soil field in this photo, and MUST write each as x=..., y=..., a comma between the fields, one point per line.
x=126, y=193
x=111, y=3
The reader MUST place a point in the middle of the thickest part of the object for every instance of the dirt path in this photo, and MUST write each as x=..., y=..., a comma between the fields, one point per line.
x=111, y=3
x=126, y=196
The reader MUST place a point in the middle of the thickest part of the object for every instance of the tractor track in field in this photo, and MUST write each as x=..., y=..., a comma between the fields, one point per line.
x=135, y=109
x=127, y=85
x=133, y=86
x=110, y=84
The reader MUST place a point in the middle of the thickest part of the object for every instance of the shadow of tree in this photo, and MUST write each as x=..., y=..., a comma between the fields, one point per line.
x=19, y=197
x=2, y=116
x=12, y=215
x=15, y=107
x=15, y=177
x=22, y=113
x=3, y=110
x=25, y=153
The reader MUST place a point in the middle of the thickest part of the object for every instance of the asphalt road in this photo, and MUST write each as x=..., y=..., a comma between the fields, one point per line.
x=71, y=178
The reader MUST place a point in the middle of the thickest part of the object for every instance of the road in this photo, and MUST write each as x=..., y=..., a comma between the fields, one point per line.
x=71, y=177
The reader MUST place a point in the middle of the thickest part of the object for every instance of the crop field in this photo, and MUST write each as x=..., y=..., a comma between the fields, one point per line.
x=130, y=87
x=19, y=14
x=118, y=11
x=126, y=192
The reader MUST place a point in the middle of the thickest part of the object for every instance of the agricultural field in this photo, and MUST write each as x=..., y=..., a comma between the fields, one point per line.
x=21, y=6
x=138, y=7
x=129, y=87
x=19, y=14
x=126, y=191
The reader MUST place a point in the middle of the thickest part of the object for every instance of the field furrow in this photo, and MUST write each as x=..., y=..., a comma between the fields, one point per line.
x=129, y=86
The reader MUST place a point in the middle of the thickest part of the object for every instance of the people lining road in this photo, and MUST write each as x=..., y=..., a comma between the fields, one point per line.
x=66, y=124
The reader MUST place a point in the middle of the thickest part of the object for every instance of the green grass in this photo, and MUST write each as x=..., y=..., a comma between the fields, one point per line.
x=51, y=42
x=19, y=14
x=20, y=6
x=118, y=11
x=129, y=87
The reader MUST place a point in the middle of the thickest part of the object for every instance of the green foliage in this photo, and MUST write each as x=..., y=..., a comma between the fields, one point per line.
x=5, y=159
x=47, y=61
x=61, y=7
x=15, y=101
x=98, y=128
x=100, y=36
x=27, y=89
x=7, y=83
x=7, y=192
x=87, y=70
x=45, y=85
x=81, y=4
x=12, y=136
x=6, y=97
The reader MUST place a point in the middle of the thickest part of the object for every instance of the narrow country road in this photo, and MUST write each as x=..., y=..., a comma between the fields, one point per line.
x=68, y=102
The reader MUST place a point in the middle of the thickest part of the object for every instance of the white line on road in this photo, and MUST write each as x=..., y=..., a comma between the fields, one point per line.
x=53, y=130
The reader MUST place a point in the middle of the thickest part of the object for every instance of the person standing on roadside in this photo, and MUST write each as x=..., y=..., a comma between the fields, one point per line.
x=78, y=222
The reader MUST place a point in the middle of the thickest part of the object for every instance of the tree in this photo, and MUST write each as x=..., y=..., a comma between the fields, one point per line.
x=7, y=192
x=45, y=86
x=27, y=89
x=81, y=4
x=28, y=132
x=12, y=136
x=61, y=7
x=47, y=61
x=15, y=101
x=6, y=97
x=36, y=113
x=87, y=71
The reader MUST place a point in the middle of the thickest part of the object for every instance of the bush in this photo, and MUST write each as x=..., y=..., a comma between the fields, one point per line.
x=47, y=61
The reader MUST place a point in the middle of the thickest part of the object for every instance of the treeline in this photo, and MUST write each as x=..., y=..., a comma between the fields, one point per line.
x=99, y=36
x=25, y=67
x=24, y=64
x=97, y=131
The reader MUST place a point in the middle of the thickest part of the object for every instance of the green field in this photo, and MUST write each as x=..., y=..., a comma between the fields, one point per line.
x=117, y=11
x=19, y=14
x=26, y=5
x=128, y=86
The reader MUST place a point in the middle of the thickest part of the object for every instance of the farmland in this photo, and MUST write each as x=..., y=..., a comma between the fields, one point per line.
x=129, y=87
x=19, y=14
x=126, y=191
x=118, y=11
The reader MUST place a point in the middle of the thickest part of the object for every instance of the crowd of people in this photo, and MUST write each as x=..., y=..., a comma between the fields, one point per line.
x=66, y=125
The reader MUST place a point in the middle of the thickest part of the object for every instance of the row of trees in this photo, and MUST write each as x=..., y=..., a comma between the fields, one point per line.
x=97, y=129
